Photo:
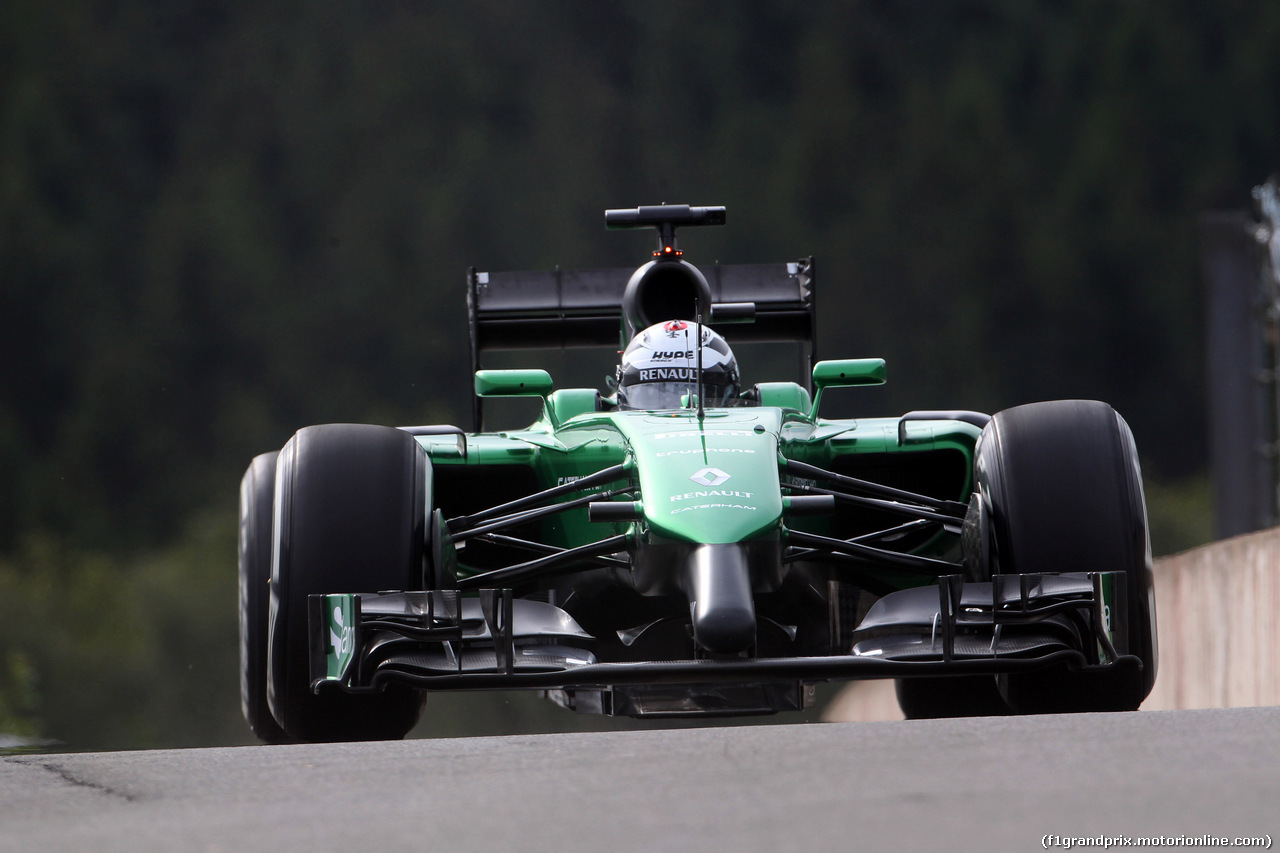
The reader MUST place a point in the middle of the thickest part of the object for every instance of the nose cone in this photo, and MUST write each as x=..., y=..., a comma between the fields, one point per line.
x=712, y=479
x=718, y=585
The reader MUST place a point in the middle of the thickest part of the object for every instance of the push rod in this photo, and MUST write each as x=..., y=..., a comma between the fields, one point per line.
x=531, y=514
x=895, y=507
x=562, y=562
x=951, y=508
x=866, y=538
x=879, y=555
x=539, y=547
x=606, y=475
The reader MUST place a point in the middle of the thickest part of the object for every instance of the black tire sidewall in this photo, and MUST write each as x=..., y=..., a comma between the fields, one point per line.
x=1063, y=488
x=257, y=496
x=352, y=503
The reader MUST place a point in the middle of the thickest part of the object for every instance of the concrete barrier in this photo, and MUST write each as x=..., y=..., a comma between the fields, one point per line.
x=1217, y=614
x=1217, y=609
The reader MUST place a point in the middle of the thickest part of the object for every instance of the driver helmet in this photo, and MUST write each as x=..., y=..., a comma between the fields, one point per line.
x=660, y=366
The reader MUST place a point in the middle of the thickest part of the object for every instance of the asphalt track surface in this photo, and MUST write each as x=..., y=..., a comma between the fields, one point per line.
x=951, y=785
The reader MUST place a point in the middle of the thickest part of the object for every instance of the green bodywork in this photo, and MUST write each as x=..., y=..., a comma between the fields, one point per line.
x=339, y=612
x=713, y=478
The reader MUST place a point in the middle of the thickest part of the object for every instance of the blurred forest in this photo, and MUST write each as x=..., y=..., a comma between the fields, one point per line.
x=223, y=220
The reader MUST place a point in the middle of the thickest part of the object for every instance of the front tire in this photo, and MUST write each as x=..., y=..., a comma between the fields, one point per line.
x=257, y=496
x=351, y=509
x=1063, y=489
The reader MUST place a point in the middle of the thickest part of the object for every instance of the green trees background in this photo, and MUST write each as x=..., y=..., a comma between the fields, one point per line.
x=223, y=220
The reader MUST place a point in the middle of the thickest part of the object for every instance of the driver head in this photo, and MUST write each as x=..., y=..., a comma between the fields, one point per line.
x=660, y=367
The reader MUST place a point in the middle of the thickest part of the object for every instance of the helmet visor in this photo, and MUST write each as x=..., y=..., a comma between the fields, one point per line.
x=672, y=395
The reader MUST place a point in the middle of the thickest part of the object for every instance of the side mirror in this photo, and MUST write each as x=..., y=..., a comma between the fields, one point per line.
x=513, y=383
x=845, y=373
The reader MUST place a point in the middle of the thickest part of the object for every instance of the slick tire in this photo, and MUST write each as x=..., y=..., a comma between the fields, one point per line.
x=1064, y=494
x=954, y=696
x=352, y=503
x=257, y=495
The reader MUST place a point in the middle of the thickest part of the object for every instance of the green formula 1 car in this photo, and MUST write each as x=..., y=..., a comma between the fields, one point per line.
x=683, y=545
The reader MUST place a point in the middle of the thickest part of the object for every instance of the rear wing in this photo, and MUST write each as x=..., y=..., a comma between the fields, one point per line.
x=560, y=309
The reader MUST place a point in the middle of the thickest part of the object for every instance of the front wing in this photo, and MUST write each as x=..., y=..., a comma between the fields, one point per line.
x=492, y=640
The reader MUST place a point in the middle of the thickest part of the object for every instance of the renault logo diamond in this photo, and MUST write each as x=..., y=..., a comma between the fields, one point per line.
x=709, y=477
